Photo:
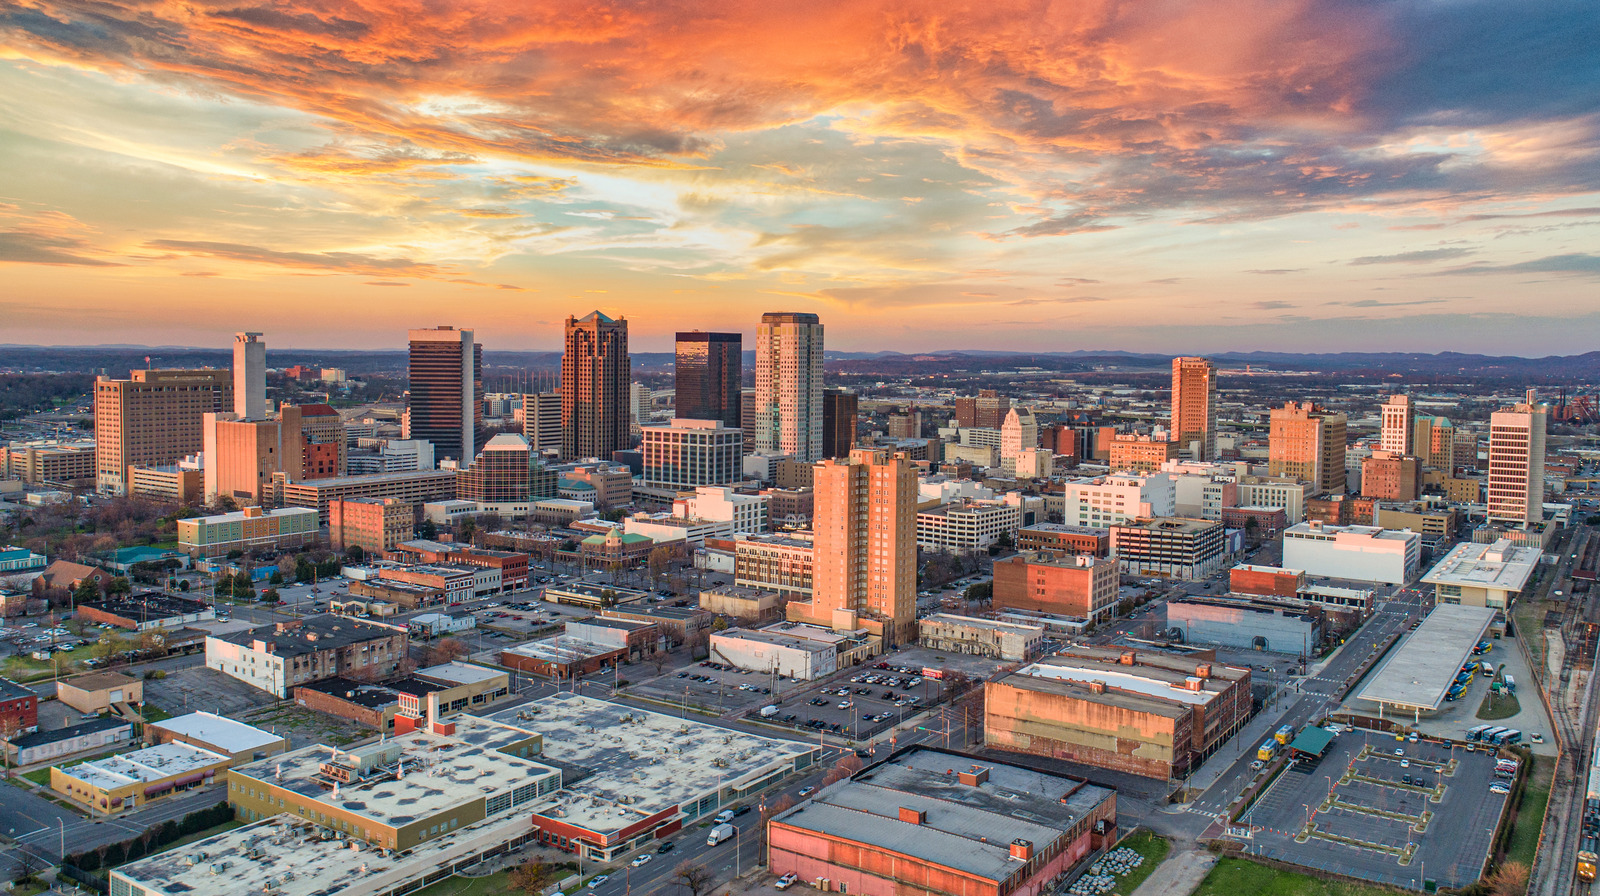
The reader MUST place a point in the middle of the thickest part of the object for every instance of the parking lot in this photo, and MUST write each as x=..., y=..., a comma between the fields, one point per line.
x=196, y=688
x=1388, y=811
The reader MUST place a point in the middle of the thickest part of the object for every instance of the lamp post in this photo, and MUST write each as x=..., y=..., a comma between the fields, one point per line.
x=62, y=822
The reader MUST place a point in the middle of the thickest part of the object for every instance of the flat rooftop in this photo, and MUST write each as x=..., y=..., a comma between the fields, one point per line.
x=459, y=673
x=39, y=738
x=370, y=696
x=976, y=622
x=222, y=733
x=1179, y=524
x=656, y=761
x=1422, y=667
x=562, y=649
x=1347, y=533
x=1497, y=567
x=1270, y=570
x=776, y=639
x=311, y=635
x=150, y=764
x=147, y=605
x=100, y=681
x=1063, y=529
x=968, y=828
x=1153, y=683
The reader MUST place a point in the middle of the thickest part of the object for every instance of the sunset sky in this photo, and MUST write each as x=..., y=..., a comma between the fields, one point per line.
x=1154, y=175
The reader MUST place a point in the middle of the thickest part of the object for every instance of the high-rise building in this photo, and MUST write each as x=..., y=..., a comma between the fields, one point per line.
x=691, y=452
x=154, y=417
x=242, y=456
x=907, y=425
x=865, y=568
x=505, y=478
x=596, y=376
x=1433, y=441
x=541, y=421
x=1516, y=462
x=1018, y=433
x=747, y=418
x=710, y=366
x=789, y=384
x=249, y=376
x=1308, y=443
x=327, y=450
x=1399, y=418
x=447, y=392
x=986, y=411
x=839, y=412
x=1194, y=407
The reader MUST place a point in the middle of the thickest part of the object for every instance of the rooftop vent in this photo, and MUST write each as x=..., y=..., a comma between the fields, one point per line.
x=913, y=816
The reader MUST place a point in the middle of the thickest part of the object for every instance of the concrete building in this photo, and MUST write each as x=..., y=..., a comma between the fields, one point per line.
x=1064, y=541
x=839, y=412
x=129, y=780
x=1019, y=433
x=709, y=369
x=1169, y=547
x=1081, y=586
x=460, y=687
x=595, y=376
x=968, y=526
x=1516, y=463
x=1008, y=641
x=780, y=563
x=373, y=524
x=1358, y=553
x=541, y=421
x=418, y=487
x=446, y=392
x=96, y=736
x=935, y=823
x=1135, y=453
x=1308, y=443
x=179, y=483
x=276, y=658
x=744, y=514
x=248, y=529
x=1436, y=522
x=788, y=412
x=613, y=483
x=1148, y=713
x=1105, y=501
x=249, y=376
x=635, y=638
x=866, y=550
x=511, y=566
x=748, y=605
x=1247, y=624
x=1391, y=477
x=154, y=417
x=1399, y=421
x=145, y=611
x=1194, y=413
x=1483, y=575
x=218, y=734
x=562, y=658
x=987, y=410
x=773, y=651
x=49, y=462
x=1290, y=496
x=688, y=453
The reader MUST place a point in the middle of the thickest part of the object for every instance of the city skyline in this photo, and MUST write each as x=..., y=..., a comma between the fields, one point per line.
x=1317, y=177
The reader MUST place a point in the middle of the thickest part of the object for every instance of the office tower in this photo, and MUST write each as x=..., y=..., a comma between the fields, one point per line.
x=1516, y=463
x=249, y=376
x=789, y=384
x=1018, y=433
x=326, y=451
x=447, y=392
x=242, y=456
x=1388, y=476
x=707, y=380
x=691, y=452
x=1399, y=418
x=1194, y=407
x=1308, y=443
x=1433, y=441
x=866, y=546
x=907, y=425
x=986, y=411
x=541, y=421
x=595, y=387
x=506, y=478
x=839, y=412
x=154, y=417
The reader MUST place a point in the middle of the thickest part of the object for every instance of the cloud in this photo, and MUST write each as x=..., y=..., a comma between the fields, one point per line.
x=23, y=247
x=1580, y=263
x=1275, y=271
x=1374, y=303
x=1421, y=256
x=1271, y=305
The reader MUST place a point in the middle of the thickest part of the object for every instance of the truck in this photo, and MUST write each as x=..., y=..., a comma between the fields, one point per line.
x=1267, y=751
x=1511, y=684
x=768, y=712
x=719, y=833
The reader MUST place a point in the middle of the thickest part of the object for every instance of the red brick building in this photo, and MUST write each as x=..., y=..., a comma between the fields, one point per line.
x=562, y=657
x=19, y=709
x=1269, y=521
x=1064, y=541
x=1082, y=586
x=513, y=565
x=1269, y=580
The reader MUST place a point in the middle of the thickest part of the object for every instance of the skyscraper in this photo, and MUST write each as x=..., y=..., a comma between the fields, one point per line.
x=596, y=375
x=154, y=417
x=541, y=420
x=986, y=411
x=707, y=380
x=865, y=571
x=1516, y=463
x=789, y=384
x=1398, y=420
x=1308, y=443
x=249, y=376
x=839, y=411
x=1194, y=408
x=1019, y=433
x=447, y=392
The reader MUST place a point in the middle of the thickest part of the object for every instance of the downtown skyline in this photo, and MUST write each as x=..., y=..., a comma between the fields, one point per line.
x=1334, y=176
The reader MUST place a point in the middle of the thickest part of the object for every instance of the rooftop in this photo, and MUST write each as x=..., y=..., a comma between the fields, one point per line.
x=459, y=673
x=1315, y=529
x=776, y=639
x=976, y=622
x=100, y=681
x=219, y=732
x=1171, y=524
x=39, y=738
x=562, y=649
x=1063, y=529
x=370, y=696
x=150, y=764
x=10, y=690
x=966, y=827
x=254, y=513
x=1497, y=567
x=1422, y=668
x=147, y=605
x=311, y=635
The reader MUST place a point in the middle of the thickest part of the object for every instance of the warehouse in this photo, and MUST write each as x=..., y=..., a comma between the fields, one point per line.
x=1422, y=668
x=132, y=779
x=1009, y=641
x=770, y=650
x=1357, y=553
x=207, y=731
x=1280, y=626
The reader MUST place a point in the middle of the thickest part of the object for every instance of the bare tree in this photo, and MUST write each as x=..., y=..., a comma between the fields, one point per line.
x=694, y=877
x=1510, y=879
x=445, y=651
x=532, y=876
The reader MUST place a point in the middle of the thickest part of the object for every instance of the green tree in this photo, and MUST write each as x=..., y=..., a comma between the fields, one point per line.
x=119, y=585
x=428, y=530
x=466, y=528
x=719, y=624
x=88, y=589
x=270, y=595
x=355, y=553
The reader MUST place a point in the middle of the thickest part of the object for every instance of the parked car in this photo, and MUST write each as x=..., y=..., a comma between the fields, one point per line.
x=787, y=881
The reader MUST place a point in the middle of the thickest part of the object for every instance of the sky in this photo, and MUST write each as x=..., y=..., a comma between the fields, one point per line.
x=1166, y=176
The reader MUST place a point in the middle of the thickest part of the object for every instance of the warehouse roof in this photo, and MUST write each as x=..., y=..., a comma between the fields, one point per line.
x=219, y=732
x=150, y=764
x=1496, y=567
x=1423, y=667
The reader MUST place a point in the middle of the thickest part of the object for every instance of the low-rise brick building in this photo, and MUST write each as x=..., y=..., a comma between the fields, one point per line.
x=1009, y=641
x=373, y=524
x=1084, y=586
x=277, y=658
x=1273, y=580
x=145, y=611
x=19, y=709
x=1064, y=541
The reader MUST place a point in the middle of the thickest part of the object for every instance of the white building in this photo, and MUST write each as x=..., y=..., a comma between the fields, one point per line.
x=689, y=453
x=1170, y=547
x=747, y=514
x=1009, y=641
x=1516, y=463
x=394, y=456
x=541, y=421
x=1019, y=433
x=432, y=625
x=1398, y=415
x=968, y=526
x=1108, y=500
x=448, y=513
x=1358, y=553
x=1034, y=463
x=801, y=659
x=944, y=489
x=1483, y=575
x=666, y=527
x=1289, y=496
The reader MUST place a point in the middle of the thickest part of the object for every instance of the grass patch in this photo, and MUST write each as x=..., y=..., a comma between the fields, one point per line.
x=1241, y=877
x=25, y=668
x=1528, y=617
x=1525, y=830
x=39, y=776
x=1154, y=849
x=154, y=713
x=496, y=884
x=1498, y=706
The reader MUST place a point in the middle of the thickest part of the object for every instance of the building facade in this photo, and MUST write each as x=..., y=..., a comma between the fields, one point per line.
x=277, y=658
x=1516, y=463
x=595, y=376
x=446, y=392
x=691, y=452
x=249, y=529
x=1170, y=547
x=1007, y=641
x=788, y=413
x=154, y=417
x=1399, y=420
x=506, y=478
x=1083, y=586
x=1137, y=453
x=708, y=373
x=373, y=524
x=781, y=564
x=840, y=408
x=1194, y=412
x=1358, y=553
x=541, y=421
x=1308, y=444
x=416, y=488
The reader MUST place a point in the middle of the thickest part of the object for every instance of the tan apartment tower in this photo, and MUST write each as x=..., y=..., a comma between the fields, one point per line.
x=1194, y=407
x=154, y=417
x=446, y=402
x=596, y=375
x=1516, y=463
x=1399, y=418
x=1308, y=443
x=788, y=413
x=865, y=568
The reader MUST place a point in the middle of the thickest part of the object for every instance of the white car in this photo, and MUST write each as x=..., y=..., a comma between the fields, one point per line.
x=787, y=881
x=641, y=860
x=597, y=880
x=807, y=791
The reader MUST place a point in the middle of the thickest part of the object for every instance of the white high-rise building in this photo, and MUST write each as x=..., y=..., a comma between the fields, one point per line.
x=249, y=376
x=1516, y=463
x=788, y=412
x=690, y=453
x=1398, y=417
x=541, y=420
x=1109, y=500
x=1019, y=433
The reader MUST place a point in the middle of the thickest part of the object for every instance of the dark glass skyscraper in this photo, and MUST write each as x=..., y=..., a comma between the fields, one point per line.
x=595, y=376
x=709, y=369
x=447, y=392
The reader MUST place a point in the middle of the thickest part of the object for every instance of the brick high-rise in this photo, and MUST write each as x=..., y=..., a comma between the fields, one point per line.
x=1308, y=443
x=152, y=418
x=596, y=374
x=788, y=415
x=1516, y=463
x=709, y=367
x=447, y=392
x=1194, y=407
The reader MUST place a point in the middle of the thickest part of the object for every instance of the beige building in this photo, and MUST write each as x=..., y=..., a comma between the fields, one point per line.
x=1194, y=411
x=788, y=402
x=249, y=529
x=243, y=455
x=1399, y=421
x=177, y=483
x=1516, y=463
x=596, y=374
x=1141, y=453
x=1009, y=641
x=413, y=487
x=780, y=563
x=374, y=524
x=39, y=463
x=154, y=417
x=866, y=547
x=752, y=605
x=209, y=731
x=1308, y=443
x=100, y=691
x=1391, y=477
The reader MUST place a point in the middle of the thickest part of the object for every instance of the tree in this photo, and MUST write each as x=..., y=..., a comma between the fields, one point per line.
x=532, y=876
x=719, y=624
x=183, y=584
x=270, y=595
x=1510, y=879
x=659, y=564
x=694, y=877
x=466, y=528
x=88, y=589
x=287, y=566
x=447, y=650
x=355, y=553
x=119, y=585
x=428, y=530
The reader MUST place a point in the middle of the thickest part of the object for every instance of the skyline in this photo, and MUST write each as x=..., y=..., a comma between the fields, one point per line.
x=1333, y=176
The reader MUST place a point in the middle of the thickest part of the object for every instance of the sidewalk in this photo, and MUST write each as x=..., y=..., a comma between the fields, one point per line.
x=1179, y=875
x=1249, y=737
